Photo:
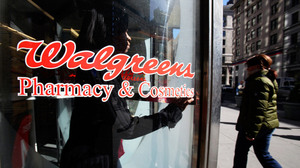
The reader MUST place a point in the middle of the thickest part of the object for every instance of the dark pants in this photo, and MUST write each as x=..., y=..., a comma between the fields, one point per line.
x=261, y=148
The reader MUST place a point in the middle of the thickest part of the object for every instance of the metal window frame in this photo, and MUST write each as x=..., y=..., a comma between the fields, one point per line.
x=209, y=64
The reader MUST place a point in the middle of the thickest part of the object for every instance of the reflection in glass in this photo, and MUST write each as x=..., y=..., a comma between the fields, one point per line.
x=157, y=31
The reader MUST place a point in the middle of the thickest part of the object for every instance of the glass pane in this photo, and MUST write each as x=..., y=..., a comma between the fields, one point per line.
x=35, y=118
x=168, y=37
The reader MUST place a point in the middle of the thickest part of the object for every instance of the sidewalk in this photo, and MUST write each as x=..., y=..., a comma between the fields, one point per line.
x=285, y=143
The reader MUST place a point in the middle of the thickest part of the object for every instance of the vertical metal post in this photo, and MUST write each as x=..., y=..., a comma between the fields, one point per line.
x=209, y=67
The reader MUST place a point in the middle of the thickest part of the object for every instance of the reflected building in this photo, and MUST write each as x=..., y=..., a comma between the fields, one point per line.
x=258, y=28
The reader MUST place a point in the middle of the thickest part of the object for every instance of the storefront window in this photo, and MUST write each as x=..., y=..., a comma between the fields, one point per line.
x=165, y=40
x=35, y=119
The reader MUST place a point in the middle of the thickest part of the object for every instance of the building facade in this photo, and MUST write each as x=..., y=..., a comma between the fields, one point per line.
x=291, y=51
x=258, y=28
x=227, y=67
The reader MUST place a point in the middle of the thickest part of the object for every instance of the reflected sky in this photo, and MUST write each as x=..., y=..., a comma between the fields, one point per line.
x=225, y=2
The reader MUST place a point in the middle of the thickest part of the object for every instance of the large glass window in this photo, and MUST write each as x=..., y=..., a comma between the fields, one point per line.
x=35, y=128
x=166, y=38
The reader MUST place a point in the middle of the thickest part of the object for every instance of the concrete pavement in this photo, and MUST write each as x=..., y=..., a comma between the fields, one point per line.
x=285, y=143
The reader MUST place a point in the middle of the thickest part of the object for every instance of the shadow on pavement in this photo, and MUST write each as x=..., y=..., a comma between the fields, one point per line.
x=284, y=128
x=228, y=123
x=293, y=137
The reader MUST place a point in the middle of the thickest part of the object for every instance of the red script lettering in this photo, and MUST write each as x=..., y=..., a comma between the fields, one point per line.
x=102, y=60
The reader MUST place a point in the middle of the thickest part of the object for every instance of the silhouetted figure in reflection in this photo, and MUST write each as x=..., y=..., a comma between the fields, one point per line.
x=97, y=127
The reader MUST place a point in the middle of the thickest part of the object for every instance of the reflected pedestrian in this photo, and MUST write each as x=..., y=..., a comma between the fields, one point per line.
x=240, y=88
x=97, y=127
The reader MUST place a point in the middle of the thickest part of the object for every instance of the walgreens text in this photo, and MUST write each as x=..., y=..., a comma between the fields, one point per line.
x=102, y=60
